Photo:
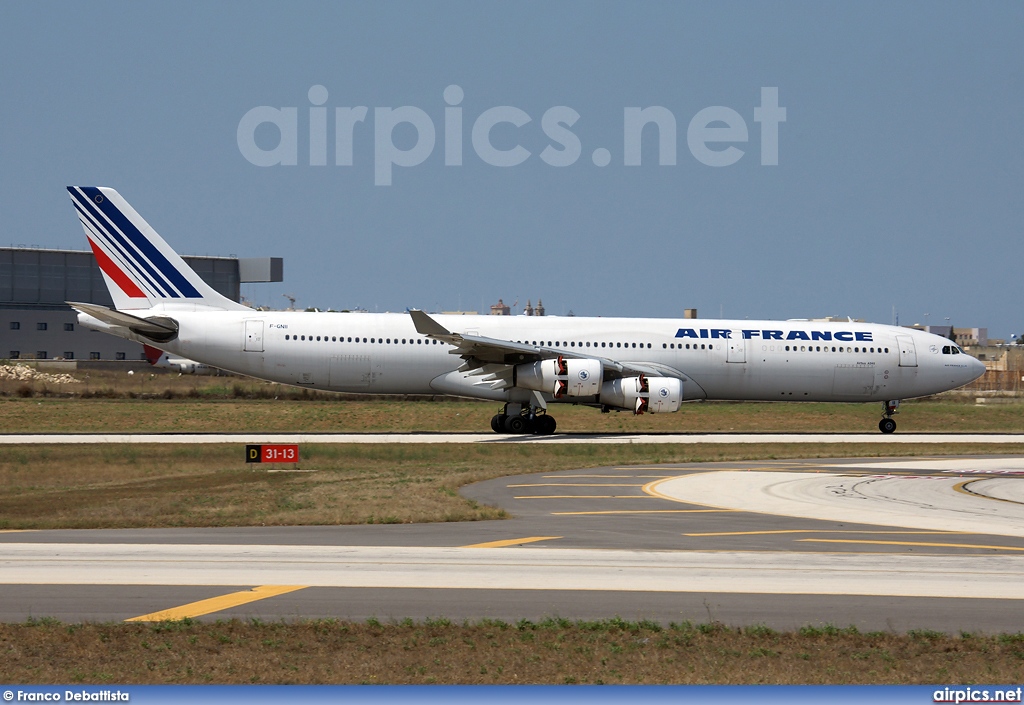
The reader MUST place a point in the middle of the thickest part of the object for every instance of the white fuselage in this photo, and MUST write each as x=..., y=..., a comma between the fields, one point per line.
x=738, y=360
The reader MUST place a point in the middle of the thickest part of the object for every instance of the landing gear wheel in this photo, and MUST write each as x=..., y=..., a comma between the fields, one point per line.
x=544, y=425
x=498, y=423
x=887, y=425
x=515, y=424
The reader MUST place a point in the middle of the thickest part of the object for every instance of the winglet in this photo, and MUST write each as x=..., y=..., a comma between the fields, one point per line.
x=425, y=325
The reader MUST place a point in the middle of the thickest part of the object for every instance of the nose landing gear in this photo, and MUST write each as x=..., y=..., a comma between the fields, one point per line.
x=887, y=424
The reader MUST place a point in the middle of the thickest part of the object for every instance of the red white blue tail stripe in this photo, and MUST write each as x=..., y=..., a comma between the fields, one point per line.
x=140, y=269
x=130, y=259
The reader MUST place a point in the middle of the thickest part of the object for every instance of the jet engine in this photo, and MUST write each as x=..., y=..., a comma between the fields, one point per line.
x=643, y=394
x=561, y=377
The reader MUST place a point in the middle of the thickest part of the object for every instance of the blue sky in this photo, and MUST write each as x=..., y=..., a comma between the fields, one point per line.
x=898, y=184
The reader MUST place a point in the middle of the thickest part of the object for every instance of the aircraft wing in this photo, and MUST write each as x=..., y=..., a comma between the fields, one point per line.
x=480, y=352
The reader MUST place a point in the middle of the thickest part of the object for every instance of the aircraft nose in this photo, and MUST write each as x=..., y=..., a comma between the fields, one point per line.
x=977, y=368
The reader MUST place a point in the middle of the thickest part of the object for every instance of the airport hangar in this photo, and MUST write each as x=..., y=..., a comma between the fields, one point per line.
x=35, y=283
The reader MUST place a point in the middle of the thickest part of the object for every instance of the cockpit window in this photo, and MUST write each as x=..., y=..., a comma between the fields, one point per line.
x=946, y=350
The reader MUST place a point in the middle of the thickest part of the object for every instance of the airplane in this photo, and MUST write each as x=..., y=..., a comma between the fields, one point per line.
x=158, y=358
x=638, y=365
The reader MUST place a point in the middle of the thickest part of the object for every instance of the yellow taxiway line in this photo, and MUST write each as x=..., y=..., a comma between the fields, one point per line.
x=578, y=484
x=648, y=511
x=217, y=604
x=619, y=477
x=586, y=496
x=962, y=488
x=512, y=542
x=913, y=543
x=827, y=531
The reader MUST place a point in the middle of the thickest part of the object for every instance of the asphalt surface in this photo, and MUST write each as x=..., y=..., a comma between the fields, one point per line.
x=871, y=437
x=586, y=544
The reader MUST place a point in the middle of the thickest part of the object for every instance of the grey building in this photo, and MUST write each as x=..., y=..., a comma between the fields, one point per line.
x=35, y=323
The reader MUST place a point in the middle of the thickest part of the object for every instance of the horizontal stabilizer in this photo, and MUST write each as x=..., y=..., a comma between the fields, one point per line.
x=156, y=327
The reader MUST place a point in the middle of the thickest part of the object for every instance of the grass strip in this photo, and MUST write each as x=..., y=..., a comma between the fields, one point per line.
x=323, y=414
x=552, y=651
x=125, y=486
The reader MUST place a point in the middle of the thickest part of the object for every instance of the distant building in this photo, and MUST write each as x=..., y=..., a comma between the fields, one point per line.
x=837, y=319
x=964, y=337
x=970, y=337
x=36, y=323
x=502, y=309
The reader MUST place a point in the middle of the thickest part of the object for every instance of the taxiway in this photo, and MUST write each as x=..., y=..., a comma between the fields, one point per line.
x=928, y=543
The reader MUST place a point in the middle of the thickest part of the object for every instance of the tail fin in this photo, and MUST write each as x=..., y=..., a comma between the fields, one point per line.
x=152, y=354
x=139, y=268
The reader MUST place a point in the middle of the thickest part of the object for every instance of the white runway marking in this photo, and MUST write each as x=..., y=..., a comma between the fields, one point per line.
x=913, y=501
x=746, y=438
x=997, y=577
x=953, y=465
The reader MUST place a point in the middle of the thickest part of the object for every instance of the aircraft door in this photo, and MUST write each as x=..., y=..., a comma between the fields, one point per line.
x=908, y=352
x=254, y=335
x=736, y=347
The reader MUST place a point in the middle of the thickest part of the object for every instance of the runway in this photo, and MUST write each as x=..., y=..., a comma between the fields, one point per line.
x=558, y=439
x=927, y=543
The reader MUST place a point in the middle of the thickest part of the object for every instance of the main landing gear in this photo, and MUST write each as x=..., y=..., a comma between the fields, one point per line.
x=887, y=424
x=522, y=419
